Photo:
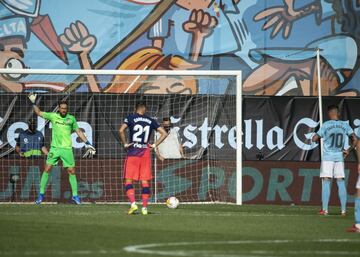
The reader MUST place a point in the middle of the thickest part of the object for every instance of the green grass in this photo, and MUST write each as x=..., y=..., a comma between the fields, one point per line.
x=209, y=230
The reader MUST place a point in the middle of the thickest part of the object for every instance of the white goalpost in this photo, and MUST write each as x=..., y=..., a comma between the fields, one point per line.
x=210, y=159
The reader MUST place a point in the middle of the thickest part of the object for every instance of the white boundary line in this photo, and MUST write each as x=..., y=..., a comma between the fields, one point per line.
x=144, y=249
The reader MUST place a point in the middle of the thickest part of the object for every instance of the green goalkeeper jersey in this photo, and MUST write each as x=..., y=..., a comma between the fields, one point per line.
x=62, y=127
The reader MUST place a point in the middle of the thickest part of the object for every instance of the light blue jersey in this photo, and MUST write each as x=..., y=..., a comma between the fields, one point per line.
x=335, y=133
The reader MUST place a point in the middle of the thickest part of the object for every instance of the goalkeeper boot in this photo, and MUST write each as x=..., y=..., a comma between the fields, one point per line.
x=133, y=208
x=144, y=211
x=76, y=199
x=40, y=199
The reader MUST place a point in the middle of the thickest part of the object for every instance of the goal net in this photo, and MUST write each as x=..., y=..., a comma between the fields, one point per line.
x=200, y=160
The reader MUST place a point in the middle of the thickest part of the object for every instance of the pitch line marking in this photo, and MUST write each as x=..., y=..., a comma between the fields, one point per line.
x=146, y=248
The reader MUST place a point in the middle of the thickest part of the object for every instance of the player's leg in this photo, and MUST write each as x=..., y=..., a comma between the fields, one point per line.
x=74, y=185
x=129, y=190
x=67, y=157
x=145, y=177
x=43, y=183
x=356, y=227
x=357, y=206
x=145, y=195
x=326, y=174
x=339, y=174
x=52, y=159
x=131, y=173
x=325, y=195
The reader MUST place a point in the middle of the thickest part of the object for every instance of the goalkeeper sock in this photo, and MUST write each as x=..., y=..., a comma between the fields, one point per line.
x=145, y=194
x=129, y=189
x=73, y=184
x=342, y=193
x=325, y=196
x=357, y=210
x=43, y=182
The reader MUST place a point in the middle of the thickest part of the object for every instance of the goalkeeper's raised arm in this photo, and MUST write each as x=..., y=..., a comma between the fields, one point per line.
x=32, y=98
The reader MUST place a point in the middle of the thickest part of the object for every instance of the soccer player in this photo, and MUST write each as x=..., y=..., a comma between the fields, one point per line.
x=63, y=124
x=138, y=160
x=334, y=132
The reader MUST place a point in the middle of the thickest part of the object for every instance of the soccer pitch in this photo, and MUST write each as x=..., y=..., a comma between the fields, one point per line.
x=190, y=230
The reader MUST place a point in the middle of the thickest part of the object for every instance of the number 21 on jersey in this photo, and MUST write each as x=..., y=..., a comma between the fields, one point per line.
x=141, y=133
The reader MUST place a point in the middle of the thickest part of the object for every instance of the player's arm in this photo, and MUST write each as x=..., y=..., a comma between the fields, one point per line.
x=122, y=135
x=81, y=135
x=32, y=98
x=163, y=135
x=353, y=145
x=354, y=141
x=90, y=149
x=315, y=138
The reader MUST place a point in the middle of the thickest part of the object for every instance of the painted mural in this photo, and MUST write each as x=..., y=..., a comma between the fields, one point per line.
x=273, y=42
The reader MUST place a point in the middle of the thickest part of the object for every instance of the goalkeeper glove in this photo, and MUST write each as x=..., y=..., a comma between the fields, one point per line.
x=32, y=98
x=90, y=150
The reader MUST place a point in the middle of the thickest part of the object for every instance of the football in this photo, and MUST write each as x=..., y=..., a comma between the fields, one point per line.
x=172, y=202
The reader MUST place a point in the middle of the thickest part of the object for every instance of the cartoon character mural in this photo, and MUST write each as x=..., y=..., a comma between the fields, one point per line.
x=288, y=69
x=264, y=39
x=17, y=20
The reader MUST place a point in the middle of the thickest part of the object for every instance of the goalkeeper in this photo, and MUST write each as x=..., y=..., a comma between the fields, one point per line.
x=63, y=124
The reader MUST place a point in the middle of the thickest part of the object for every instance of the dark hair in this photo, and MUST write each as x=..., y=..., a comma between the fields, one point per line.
x=62, y=102
x=166, y=119
x=140, y=105
x=332, y=107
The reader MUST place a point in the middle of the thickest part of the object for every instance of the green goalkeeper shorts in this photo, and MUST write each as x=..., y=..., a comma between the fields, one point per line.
x=66, y=155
